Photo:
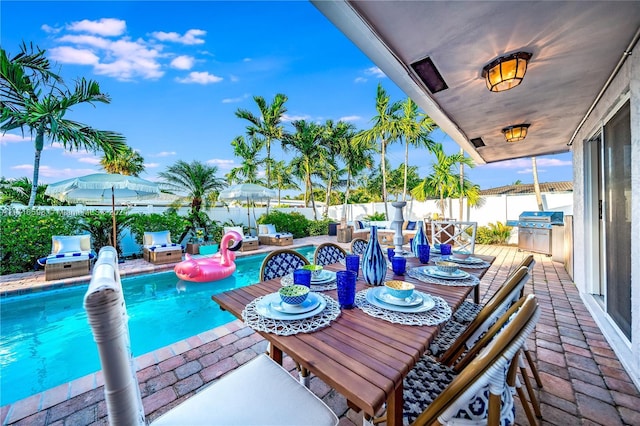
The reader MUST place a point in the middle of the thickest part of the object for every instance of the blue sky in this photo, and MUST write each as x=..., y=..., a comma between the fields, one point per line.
x=178, y=71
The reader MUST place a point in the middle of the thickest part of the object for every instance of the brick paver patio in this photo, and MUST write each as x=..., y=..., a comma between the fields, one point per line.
x=584, y=383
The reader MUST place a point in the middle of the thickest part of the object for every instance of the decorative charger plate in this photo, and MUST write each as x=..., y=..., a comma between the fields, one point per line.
x=470, y=260
x=328, y=281
x=373, y=297
x=265, y=307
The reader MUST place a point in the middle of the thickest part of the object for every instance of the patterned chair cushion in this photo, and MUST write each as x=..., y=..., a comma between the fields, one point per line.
x=449, y=333
x=327, y=255
x=281, y=265
x=428, y=379
x=358, y=247
x=467, y=312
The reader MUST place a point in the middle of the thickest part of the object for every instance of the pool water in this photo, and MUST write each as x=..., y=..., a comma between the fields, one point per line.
x=46, y=339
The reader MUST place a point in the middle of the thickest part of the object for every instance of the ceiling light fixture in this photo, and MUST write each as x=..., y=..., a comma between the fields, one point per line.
x=506, y=72
x=516, y=133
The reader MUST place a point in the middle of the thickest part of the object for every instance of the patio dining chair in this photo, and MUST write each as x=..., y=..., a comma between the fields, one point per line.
x=461, y=235
x=478, y=390
x=281, y=262
x=328, y=253
x=455, y=339
x=358, y=246
x=237, y=398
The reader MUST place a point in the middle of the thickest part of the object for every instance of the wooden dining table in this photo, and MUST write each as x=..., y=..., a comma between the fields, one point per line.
x=362, y=357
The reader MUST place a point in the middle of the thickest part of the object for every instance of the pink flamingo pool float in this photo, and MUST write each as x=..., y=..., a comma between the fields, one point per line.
x=214, y=268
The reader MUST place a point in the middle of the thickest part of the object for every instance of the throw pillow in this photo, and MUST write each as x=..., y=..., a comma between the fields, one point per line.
x=68, y=244
x=263, y=229
x=271, y=229
x=160, y=237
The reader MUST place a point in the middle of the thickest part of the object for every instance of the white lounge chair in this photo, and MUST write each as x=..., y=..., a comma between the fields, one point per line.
x=70, y=256
x=158, y=248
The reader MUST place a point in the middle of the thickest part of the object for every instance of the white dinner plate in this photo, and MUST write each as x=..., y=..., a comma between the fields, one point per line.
x=324, y=278
x=264, y=307
x=310, y=303
x=384, y=296
x=434, y=272
x=468, y=260
x=427, y=302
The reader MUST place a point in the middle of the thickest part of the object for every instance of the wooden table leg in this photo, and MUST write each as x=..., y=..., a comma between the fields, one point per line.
x=476, y=294
x=275, y=353
x=395, y=404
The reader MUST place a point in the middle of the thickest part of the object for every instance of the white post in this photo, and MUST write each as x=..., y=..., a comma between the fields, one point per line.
x=396, y=225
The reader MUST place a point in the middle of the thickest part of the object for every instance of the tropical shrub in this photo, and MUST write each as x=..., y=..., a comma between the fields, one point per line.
x=376, y=217
x=100, y=225
x=319, y=227
x=497, y=233
x=293, y=222
x=169, y=220
x=26, y=236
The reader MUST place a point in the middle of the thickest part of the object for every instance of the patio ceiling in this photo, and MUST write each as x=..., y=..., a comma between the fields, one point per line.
x=576, y=46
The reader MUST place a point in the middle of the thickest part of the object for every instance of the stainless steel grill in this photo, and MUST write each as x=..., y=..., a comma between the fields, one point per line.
x=535, y=230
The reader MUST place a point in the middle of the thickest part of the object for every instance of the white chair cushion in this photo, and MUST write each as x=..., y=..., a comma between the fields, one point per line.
x=66, y=259
x=267, y=229
x=157, y=238
x=259, y=393
x=70, y=243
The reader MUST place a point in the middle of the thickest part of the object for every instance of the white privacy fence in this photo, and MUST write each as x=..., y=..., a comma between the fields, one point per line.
x=499, y=208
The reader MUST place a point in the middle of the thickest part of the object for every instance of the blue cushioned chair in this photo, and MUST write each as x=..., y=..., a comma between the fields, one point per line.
x=358, y=245
x=279, y=263
x=328, y=253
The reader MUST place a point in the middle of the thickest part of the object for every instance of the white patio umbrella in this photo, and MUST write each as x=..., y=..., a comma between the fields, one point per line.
x=248, y=192
x=98, y=187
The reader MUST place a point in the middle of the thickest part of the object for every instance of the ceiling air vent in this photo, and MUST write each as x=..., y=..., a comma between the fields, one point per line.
x=477, y=142
x=429, y=75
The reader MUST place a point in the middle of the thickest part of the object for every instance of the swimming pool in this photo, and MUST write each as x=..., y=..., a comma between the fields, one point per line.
x=46, y=339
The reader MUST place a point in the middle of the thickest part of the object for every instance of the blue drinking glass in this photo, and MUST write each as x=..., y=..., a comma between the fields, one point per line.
x=399, y=264
x=352, y=262
x=390, y=252
x=423, y=253
x=346, y=283
x=445, y=249
x=302, y=277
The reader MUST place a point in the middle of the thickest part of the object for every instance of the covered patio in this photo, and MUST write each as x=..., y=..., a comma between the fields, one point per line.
x=584, y=381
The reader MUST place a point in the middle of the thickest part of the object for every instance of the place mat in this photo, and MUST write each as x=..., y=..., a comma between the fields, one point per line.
x=288, y=280
x=440, y=313
x=464, y=265
x=290, y=327
x=419, y=275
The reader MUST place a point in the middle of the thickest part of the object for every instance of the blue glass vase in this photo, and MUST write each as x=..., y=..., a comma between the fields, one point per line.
x=420, y=238
x=374, y=265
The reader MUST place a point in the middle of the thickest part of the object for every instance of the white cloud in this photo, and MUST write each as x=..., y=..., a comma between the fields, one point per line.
x=104, y=27
x=288, y=118
x=51, y=172
x=360, y=80
x=553, y=162
x=163, y=154
x=350, y=118
x=53, y=145
x=93, y=41
x=151, y=165
x=190, y=37
x=221, y=164
x=233, y=78
x=200, y=78
x=89, y=160
x=49, y=29
x=8, y=138
x=375, y=72
x=235, y=100
x=183, y=62
x=246, y=60
x=71, y=55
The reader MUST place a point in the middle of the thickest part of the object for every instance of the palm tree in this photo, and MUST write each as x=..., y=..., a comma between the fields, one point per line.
x=128, y=162
x=247, y=172
x=385, y=128
x=282, y=174
x=465, y=188
x=306, y=141
x=415, y=127
x=443, y=180
x=332, y=140
x=356, y=156
x=268, y=124
x=18, y=190
x=536, y=184
x=36, y=99
x=196, y=183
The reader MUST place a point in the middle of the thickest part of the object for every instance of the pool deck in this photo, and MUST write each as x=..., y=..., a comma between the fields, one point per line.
x=584, y=382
